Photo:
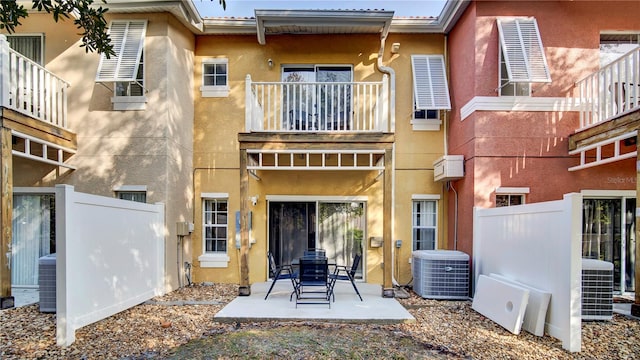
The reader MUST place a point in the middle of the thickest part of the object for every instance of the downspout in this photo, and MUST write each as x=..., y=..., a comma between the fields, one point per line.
x=392, y=127
x=446, y=152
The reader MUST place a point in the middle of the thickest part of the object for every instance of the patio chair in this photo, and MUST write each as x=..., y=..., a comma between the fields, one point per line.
x=282, y=272
x=320, y=253
x=342, y=272
x=313, y=286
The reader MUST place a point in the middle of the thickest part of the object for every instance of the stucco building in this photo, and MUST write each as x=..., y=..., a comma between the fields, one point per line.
x=329, y=129
x=530, y=82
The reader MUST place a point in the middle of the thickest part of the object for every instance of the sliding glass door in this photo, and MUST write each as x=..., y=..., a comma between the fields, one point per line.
x=291, y=229
x=33, y=236
x=609, y=235
x=317, y=97
x=336, y=227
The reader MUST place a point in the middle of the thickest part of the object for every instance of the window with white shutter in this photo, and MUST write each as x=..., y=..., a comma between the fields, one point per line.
x=430, y=91
x=127, y=38
x=126, y=68
x=522, y=59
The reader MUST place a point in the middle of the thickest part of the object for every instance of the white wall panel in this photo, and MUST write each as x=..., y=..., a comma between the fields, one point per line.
x=539, y=245
x=110, y=257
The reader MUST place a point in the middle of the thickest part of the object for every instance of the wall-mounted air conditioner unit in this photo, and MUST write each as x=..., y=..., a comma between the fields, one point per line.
x=597, y=290
x=47, y=282
x=448, y=167
x=440, y=274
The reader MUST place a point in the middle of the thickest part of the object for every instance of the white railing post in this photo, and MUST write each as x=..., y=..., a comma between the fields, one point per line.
x=612, y=91
x=4, y=71
x=248, y=103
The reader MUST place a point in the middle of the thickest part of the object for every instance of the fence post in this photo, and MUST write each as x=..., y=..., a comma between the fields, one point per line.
x=65, y=332
x=4, y=71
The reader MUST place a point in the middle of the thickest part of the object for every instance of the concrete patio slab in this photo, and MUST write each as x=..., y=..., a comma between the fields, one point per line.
x=346, y=308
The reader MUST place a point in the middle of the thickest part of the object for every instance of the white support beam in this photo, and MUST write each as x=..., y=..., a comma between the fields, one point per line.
x=598, y=147
x=57, y=151
x=294, y=159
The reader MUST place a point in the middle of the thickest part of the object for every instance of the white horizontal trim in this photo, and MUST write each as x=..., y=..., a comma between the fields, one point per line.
x=321, y=156
x=215, y=60
x=602, y=143
x=214, y=260
x=47, y=148
x=587, y=193
x=426, y=124
x=326, y=198
x=617, y=156
x=208, y=195
x=34, y=190
x=130, y=188
x=594, y=163
x=214, y=91
x=121, y=103
x=425, y=197
x=512, y=190
x=518, y=103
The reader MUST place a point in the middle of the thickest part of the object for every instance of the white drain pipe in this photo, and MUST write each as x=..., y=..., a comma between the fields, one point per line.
x=392, y=125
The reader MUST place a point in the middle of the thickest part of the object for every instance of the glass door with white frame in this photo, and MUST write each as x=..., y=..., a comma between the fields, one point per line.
x=317, y=97
x=33, y=236
x=336, y=227
x=608, y=234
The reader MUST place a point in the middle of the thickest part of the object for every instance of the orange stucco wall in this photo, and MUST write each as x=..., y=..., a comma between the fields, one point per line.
x=527, y=148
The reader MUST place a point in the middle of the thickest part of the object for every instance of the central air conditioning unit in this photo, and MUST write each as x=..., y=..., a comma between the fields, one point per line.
x=47, y=283
x=440, y=274
x=597, y=290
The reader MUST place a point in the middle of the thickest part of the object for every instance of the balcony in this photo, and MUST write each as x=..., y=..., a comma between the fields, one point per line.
x=33, y=105
x=609, y=114
x=612, y=92
x=317, y=107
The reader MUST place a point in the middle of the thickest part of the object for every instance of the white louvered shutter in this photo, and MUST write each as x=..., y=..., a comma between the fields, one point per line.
x=430, y=86
x=127, y=38
x=522, y=50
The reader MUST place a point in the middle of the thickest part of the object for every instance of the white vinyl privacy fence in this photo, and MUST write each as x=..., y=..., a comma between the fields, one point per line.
x=110, y=257
x=539, y=245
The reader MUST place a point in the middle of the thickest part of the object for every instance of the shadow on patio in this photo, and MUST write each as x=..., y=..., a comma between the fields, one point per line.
x=346, y=308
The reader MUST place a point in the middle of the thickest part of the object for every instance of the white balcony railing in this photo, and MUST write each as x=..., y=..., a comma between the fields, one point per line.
x=30, y=89
x=317, y=106
x=611, y=92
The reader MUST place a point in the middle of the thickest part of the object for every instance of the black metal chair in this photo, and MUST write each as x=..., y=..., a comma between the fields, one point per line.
x=313, y=286
x=342, y=272
x=320, y=253
x=282, y=272
x=300, y=120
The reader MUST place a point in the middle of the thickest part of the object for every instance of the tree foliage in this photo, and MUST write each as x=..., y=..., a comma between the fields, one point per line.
x=87, y=18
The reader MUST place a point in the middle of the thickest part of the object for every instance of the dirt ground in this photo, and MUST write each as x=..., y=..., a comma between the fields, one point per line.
x=173, y=328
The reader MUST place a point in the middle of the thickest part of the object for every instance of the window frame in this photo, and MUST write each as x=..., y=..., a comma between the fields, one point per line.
x=514, y=89
x=131, y=195
x=215, y=90
x=138, y=82
x=29, y=35
x=521, y=56
x=127, y=66
x=130, y=190
x=424, y=199
x=510, y=192
x=430, y=91
x=214, y=259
